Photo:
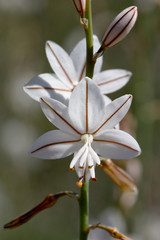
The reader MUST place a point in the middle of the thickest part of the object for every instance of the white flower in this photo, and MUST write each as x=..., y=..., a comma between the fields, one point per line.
x=86, y=130
x=69, y=71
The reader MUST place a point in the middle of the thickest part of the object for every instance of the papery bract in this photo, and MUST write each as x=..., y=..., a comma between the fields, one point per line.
x=119, y=176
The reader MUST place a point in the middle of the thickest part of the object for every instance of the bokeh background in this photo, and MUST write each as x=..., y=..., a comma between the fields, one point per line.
x=25, y=25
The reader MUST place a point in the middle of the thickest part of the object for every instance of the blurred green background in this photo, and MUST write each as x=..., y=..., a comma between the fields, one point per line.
x=25, y=25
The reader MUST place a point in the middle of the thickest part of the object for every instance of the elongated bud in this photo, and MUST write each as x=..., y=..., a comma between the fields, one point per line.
x=119, y=176
x=113, y=231
x=48, y=202
x=80, y=6
x=118, y=29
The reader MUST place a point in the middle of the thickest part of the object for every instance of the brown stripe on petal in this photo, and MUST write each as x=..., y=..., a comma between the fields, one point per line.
x=121, y=144
x=121, y=30
x=111, y=116
x=65, y=72
x=114, y=79
x=86, y=107
x=49, y=88
x=61, y=117
x=55, y=143
x=82, y=72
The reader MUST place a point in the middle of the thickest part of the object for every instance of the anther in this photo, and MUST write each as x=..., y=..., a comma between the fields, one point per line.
x=71, y=169
x=79, y=184
x=90, y=166
x=81, y=167
x=94, y=179
x=99, y=165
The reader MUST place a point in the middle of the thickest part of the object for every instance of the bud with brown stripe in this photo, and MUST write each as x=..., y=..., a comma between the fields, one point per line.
x=80, y=6
x=118, y=29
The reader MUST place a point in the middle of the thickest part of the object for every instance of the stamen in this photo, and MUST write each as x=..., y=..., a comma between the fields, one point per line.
x=83, y=158
x=94, y=155
x=78, y=155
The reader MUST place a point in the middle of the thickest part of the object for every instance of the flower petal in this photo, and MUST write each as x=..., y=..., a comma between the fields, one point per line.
x=86, y=106
x=57, y=113
x=114, y=113
x=107, y=100
x=47, y=85
x=55, y=144
x=61, y=63
x=112, y=80
x=116, y=144
x=78, y=56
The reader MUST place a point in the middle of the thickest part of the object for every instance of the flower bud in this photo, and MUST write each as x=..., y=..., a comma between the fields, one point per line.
x=119, y=176
x=48, y=202
x=80, y=6
x=120, y=27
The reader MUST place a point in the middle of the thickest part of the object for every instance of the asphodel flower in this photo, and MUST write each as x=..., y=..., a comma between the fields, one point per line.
x=80, y=6
x=119, y=28
x=86, y=129
x=70, y=70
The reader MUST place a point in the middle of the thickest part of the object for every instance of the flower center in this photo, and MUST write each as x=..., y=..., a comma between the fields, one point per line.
x=87, y=138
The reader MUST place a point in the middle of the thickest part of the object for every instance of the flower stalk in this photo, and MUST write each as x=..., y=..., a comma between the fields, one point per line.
x=84, y=211
x=84, y=196
x=89, y=41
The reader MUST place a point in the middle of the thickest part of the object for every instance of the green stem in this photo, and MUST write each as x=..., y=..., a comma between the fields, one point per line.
x=84, y=196
x=84, y=211
x=89, y=40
